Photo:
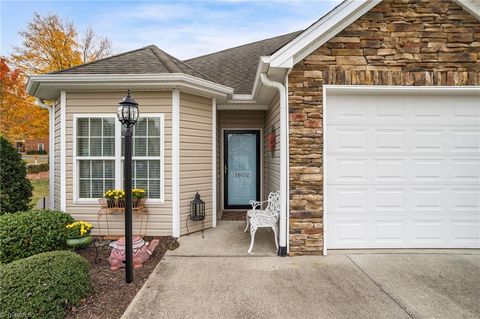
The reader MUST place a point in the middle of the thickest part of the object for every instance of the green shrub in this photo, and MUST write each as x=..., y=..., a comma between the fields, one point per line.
x=15, y=188
x=34, y=152
x=38, y=168
x=44, y=285
x=25, y=234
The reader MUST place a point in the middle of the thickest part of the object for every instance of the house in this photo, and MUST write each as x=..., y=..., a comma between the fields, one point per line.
x=34, y=144
x=368, y=122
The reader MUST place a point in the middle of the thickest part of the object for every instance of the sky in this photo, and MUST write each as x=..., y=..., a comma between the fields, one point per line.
x=184, y=29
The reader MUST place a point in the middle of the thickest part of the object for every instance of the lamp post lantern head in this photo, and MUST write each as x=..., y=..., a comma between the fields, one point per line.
x=127, y=112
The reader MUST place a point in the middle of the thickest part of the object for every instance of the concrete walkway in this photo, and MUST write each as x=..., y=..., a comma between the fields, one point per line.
x=192, y=282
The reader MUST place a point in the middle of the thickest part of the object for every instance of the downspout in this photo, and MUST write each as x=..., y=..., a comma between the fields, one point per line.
x=51, y=149
x=284, y=191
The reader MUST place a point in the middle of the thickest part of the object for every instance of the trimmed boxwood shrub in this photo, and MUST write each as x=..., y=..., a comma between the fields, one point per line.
x=44, y=285
x=15, y=188
x=34, y=169
x=25, y=234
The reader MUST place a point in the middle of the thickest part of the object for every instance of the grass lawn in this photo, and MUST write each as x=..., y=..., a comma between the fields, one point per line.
x=40, y=189
x=30, y=159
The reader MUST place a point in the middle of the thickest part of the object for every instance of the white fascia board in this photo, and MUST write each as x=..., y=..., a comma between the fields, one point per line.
x=263, y=65
x=52, y=84
x=472, y=6
x=320, y=32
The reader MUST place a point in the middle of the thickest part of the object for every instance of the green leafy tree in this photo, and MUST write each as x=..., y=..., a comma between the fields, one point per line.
x=15, y=188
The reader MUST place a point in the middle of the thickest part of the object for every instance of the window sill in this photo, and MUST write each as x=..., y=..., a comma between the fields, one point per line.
x=94, y=201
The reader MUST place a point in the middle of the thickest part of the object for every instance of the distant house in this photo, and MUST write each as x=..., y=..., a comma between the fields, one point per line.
x=367, y=122
x=37, y=144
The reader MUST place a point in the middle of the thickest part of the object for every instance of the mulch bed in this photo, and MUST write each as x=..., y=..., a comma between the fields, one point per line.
x=110, y=295
x=234, y=215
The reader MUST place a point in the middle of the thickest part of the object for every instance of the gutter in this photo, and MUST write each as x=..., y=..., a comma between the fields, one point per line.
x=284, y=188
x=51, y=149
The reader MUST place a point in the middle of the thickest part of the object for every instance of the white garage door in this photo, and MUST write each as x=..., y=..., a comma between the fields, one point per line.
x=402, y=169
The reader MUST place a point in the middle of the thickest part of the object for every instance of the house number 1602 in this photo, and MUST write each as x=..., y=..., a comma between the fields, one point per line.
x=242, y=174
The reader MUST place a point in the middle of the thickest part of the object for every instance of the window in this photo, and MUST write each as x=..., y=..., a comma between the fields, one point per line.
x=146, y=162
x=95, y=156
x=99, y=157
x=40, y=147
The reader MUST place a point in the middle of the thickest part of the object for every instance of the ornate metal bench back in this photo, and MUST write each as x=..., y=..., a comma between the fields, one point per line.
x=273, y=205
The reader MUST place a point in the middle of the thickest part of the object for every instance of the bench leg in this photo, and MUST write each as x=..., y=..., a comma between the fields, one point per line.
x=252, y=235
x=248, y=219
x=275, y=233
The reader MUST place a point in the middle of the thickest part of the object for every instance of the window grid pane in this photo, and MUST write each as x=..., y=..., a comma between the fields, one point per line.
x=96, y=137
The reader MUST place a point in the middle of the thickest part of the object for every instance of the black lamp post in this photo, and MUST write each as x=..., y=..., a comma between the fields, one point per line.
x=127, y=114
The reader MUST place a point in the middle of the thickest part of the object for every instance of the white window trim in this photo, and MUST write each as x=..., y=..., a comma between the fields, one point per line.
x=118, y=158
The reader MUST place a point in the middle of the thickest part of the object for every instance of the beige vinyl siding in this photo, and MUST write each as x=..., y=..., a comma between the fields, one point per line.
x=57, y=151
x=272, y=159
x=195, y=158
x=160, y=215
x=235, y=119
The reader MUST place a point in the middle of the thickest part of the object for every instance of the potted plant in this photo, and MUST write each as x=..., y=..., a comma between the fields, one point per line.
x=79, y=234
x=115, y=197
x=137, y=195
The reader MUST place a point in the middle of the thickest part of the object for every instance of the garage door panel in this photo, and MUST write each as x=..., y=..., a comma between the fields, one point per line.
x=431, y=140
x=466, y=141
x=465, y=199
x=402, y=170
x=464, y=170
x=390, y=140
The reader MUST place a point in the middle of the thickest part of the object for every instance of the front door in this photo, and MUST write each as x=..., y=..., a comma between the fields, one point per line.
x=241, y=168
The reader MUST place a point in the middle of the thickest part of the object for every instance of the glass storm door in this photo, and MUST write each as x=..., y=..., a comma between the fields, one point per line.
x=241, y=168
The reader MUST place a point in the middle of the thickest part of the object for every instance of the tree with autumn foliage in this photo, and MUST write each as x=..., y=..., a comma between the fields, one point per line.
x=51, y=44
x=20, y=118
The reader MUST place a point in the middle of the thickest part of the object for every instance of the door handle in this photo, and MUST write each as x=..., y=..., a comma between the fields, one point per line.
x=225, y=169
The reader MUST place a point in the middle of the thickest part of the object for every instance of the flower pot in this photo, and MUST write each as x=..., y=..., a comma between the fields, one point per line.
x=80, y=242
x=111, y=203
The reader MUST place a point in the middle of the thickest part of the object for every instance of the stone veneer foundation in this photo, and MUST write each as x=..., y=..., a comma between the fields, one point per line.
x=399, y=42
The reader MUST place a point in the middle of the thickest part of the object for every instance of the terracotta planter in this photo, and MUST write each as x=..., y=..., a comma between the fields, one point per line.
x=79, y=242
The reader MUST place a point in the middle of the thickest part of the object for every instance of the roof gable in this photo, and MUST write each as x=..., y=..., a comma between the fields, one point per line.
x=146, y=60
x=333, y=23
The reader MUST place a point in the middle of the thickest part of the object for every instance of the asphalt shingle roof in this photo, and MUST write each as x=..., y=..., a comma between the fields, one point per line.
x=236, y=67
x=147, y=60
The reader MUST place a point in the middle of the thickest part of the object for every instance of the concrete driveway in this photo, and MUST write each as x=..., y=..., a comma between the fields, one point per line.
x=344, y=284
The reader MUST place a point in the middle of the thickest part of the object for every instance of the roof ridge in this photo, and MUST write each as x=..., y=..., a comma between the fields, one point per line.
x=104, y=59
x=171, y=67
x=190, y=67
x=242, y=45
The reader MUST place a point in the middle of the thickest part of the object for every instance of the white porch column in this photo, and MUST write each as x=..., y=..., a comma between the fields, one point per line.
x=176, y=163
x=63, y=151
x=284, y=185
x=214, y=162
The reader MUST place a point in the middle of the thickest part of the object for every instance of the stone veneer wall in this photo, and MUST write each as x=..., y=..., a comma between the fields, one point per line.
x=399, y=42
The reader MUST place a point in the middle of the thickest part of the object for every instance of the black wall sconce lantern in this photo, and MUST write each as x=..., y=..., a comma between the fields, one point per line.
x=197, y=208
x=197, y=213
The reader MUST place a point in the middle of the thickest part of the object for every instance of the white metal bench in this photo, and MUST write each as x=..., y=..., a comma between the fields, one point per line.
x=268, y=217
